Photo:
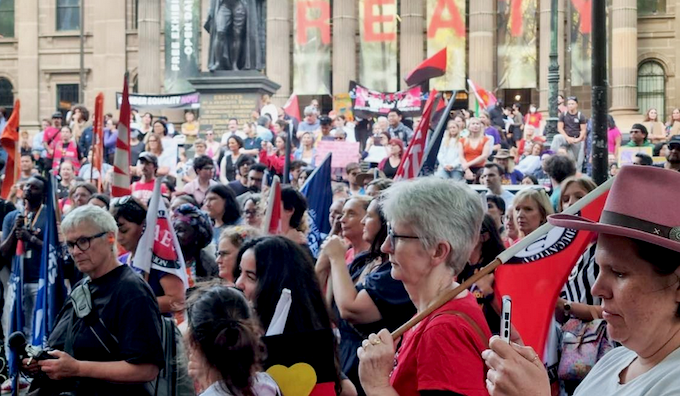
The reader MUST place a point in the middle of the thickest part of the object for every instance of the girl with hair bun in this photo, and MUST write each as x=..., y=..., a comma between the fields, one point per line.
x=225, y=351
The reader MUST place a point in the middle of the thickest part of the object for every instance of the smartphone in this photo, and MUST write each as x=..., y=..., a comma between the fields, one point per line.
x=506, y=314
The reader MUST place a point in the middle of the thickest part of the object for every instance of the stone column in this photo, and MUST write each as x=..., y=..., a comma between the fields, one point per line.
x=27, y=83
x=482, y=48
x=149, y=29
x=109, y=53
x=411, y=39
x=278, y=47
x=544, y=50
x=344, y=44
x=624, y=55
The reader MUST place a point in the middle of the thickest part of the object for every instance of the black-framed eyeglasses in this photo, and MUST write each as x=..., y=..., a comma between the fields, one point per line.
x=393, y=237
x=83, y=243
x=250, y=212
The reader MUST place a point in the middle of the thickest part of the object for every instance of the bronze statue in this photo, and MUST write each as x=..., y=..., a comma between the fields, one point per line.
x=237, y=33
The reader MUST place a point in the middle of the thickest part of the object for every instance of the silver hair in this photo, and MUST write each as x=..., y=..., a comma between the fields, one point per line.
x=437, y=210
x=309, y=110
x=91, y=215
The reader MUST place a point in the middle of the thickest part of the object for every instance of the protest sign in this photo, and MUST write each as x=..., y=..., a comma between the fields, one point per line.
x=343, y=152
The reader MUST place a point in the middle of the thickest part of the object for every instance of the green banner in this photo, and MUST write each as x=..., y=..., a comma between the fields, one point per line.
x=181, y=44
x=446, y=28
x=517, y=43
x=312, y=47
x=378, y=32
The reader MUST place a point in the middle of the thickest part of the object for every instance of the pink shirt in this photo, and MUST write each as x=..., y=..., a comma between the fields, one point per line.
x=195, y=189
x=612, y=134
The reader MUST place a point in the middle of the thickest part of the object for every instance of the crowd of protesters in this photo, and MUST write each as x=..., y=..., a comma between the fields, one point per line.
x=393, y=248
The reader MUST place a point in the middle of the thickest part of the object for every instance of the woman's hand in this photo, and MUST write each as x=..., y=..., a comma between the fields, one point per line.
x=485, y=284
x=469, y=175
x=64, y=366
x=514, y=370
x=376, y=361
x=335, y=248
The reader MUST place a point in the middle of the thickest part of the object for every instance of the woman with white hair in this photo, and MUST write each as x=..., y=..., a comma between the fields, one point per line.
x=434, y=226
x=107, y=338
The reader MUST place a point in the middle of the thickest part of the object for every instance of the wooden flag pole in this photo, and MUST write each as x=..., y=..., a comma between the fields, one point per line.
x=502, y=258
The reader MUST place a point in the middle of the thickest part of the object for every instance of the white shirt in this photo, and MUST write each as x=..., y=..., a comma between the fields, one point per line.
x=264, y=385
x=662, y=380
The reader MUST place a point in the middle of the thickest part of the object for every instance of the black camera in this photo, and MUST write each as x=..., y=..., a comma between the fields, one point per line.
x=17, y=343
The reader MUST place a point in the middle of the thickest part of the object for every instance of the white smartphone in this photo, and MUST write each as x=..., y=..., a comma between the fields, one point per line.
x=506, y=314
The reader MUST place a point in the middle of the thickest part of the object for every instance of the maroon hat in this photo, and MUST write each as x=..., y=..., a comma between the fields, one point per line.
x=628, y=212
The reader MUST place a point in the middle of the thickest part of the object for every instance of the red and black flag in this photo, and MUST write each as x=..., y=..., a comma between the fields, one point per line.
x=301, y=370
x=434, y=66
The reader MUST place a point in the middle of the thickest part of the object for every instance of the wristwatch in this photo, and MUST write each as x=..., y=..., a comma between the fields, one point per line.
x=567, y=307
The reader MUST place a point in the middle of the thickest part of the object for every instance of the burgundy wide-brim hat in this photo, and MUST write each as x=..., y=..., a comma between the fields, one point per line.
x=643, y=204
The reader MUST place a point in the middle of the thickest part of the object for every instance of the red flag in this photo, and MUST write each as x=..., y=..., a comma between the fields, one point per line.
x=535, y=275
x=121, y=160
x=484, y=97
x=8, y=140
x=98, y=146
x=292, y=107
x=434, y=66
x=272, y=222
x=413, y=158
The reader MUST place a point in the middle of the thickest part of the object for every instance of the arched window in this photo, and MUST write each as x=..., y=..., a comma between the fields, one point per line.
x=6, y=95
x=652, y=88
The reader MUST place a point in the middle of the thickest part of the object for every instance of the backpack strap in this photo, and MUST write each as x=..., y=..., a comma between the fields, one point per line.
x=470, y=321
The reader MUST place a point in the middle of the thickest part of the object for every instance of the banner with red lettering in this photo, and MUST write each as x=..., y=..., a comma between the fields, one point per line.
x=517, y=49
x=369, y=104
x=312, y=47
x=446, y=29
x=378, y=43
x=580, y=25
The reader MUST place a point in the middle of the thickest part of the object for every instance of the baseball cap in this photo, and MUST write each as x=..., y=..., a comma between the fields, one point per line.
x=57, y=115
x=148, y=157
x=674, y=140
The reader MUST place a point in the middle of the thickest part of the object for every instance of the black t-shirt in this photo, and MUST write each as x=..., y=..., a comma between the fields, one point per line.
x=33, y=252
x=128, y=308
x=391, y=299
x=237, y=187
x=572, y=123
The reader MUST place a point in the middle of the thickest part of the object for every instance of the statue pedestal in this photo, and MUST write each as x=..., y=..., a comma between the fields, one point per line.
x=230, y=94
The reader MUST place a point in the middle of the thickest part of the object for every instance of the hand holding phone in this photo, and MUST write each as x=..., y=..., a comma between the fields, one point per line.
x=506, y=313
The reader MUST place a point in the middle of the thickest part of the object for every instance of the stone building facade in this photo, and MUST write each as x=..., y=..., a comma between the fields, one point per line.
x=40, y=51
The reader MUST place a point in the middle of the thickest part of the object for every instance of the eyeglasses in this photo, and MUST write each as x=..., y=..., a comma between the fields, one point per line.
x=250, y=212
x=83, y=243
x=393, y=237
x=123, y=201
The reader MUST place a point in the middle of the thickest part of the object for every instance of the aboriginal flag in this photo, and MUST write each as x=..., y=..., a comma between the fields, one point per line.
x=300, y=369
x=434, y=66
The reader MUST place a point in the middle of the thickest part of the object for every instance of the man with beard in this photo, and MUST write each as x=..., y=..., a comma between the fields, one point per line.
x=27, y=227
x=673, y=157
x=254, y=183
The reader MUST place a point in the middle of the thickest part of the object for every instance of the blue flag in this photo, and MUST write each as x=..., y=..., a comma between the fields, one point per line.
x=319, y=194
x=16, y=319
x=51, y=286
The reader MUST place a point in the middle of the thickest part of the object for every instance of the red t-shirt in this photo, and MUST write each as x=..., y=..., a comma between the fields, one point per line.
x=443, y=352
x=144, y=191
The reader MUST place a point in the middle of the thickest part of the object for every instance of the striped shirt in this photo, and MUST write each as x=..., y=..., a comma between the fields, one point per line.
x=582, y=278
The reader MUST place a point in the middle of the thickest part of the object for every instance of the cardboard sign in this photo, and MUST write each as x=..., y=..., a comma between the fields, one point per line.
x=343, y=152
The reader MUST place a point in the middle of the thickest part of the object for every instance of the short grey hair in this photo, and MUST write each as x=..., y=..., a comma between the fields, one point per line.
x=437, y=210
x=310, y=110
x=90, y=215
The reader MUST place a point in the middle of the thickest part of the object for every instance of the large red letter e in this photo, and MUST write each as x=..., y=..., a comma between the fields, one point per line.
x=370, y=19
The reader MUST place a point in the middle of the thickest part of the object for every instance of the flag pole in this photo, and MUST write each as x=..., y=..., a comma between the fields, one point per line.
x=501, y=258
